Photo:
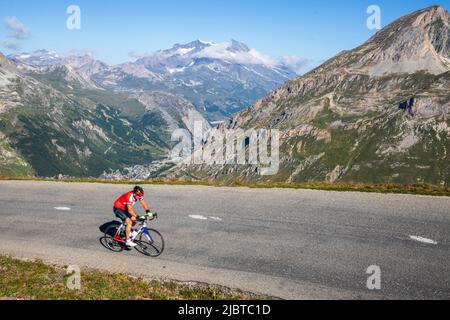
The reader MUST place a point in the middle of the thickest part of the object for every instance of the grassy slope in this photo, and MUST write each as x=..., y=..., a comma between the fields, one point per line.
x=39, y=125
x=11, y=162
x=36, y=280
x=415, y=189
x=355, y=150
x=142, y=142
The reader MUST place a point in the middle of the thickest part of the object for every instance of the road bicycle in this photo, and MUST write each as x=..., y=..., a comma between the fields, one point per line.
x=149, y=241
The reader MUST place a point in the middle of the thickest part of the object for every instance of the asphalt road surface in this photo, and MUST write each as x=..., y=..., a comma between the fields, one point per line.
x=291, y=244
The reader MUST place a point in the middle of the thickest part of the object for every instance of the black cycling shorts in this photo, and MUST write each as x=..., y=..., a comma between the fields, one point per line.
x=122, y=215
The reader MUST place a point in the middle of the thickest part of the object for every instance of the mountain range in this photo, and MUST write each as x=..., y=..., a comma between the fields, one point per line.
x=75, y=115
x=379, y=113
x=218, y=79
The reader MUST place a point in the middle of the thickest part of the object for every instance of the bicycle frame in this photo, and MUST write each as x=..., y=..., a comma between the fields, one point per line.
x=143, y=229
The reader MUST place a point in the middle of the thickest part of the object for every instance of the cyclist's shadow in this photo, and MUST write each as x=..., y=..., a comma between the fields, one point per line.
x=105, y=226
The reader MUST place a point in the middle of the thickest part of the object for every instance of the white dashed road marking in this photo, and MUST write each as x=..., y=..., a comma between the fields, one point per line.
x=423, y=240
x=198, y=217
x=62, y=208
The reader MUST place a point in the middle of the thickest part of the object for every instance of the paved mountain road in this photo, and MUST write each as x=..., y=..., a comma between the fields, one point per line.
x=293, y=244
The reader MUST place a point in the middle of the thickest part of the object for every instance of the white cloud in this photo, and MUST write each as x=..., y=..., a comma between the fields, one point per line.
x=12, y=45
x=235, y=52
x=138, y=54
x=16, y=28
x=220, y=51
x=80, y=53
x=299, y=64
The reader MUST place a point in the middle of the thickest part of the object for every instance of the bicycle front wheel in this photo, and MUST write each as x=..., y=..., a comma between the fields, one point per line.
x=150, y=243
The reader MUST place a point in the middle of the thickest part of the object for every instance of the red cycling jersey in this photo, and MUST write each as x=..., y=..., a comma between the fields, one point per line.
x=127, y=199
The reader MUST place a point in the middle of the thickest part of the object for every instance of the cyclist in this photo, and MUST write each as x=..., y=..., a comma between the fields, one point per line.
x=123, y=209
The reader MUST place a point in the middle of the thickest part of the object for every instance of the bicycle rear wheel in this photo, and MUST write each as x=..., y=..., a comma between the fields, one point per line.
x=109, y=241
x=151, y=244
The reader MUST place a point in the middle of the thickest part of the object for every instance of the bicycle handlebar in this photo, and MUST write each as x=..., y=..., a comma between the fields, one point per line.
x=142, y=218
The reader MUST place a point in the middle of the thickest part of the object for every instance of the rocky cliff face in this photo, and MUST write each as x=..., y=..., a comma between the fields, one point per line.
x=378, y=113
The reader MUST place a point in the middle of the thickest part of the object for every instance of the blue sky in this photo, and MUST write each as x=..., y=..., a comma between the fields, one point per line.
x=111, y=29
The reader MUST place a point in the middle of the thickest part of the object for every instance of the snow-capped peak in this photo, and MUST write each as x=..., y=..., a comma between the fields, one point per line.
x=235, y=52
x=210, y=43
x=236, y=46
x=39, y=58
x=184, y=49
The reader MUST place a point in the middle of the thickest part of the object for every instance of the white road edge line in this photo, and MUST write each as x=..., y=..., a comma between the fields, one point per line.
x=62, y=208
x=423, y=240
x=216, y=218
x=197, y=217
